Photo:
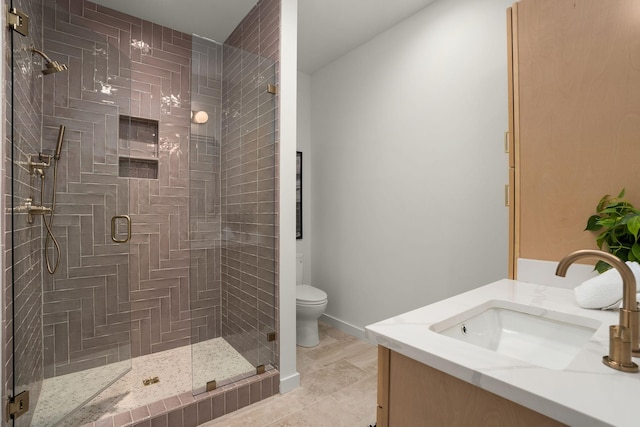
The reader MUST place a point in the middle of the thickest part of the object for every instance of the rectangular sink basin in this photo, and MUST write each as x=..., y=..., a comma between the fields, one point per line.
x=531, y=334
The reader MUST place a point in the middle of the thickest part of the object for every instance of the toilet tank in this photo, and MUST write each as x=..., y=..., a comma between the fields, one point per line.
x=299, y=266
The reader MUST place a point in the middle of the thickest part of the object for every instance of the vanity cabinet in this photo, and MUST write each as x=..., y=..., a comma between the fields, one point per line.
x=413, y=394
x=574, y=119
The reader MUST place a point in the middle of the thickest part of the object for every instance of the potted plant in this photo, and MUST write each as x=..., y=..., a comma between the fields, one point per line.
x=619, y=223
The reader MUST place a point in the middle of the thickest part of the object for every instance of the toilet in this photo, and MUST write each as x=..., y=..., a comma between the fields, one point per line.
x=310, y=304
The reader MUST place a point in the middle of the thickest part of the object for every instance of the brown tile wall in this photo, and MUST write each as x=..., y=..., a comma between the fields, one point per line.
x=97, y=303
x=204, y=201
x=26, y=274
x=160, y=293
x=259, y=31
x=249, y=158
x=86, y=302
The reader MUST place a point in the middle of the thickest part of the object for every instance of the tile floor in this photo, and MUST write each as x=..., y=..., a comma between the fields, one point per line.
x=173, y=367
x=338, y=388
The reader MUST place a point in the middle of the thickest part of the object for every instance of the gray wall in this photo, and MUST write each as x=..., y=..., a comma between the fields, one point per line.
x=303, y=246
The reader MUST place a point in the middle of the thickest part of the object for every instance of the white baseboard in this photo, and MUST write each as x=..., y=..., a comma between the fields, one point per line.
x=290, y=383
x=345, y=327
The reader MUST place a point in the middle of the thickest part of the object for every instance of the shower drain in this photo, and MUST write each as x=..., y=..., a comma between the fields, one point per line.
x=150, y=381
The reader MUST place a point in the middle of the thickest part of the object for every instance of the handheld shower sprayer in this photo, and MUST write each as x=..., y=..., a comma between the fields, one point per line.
x=56, y=156
x=52, y=266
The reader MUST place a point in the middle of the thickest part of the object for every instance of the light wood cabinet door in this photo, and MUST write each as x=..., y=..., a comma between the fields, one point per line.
x=413, y=394
x=575, y=85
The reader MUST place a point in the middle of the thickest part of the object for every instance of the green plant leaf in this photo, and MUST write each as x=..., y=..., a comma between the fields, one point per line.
x=613, y=208
x=593, y=224
x=633, y=224
x=601, y=267
x=619, y=225
x=608, y=211
x=622, y=253
x=613, y=237
x=607, y=222
x=602, y=203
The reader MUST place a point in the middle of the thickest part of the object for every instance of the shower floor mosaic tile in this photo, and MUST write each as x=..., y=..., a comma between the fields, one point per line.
x=211, y=359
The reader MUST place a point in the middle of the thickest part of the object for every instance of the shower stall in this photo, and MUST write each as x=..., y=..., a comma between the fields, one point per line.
x=141, y=217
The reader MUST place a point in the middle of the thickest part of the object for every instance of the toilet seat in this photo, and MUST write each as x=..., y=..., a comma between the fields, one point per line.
x=308, y=295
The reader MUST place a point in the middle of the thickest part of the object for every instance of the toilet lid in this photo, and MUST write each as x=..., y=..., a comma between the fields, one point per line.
x=309, y=294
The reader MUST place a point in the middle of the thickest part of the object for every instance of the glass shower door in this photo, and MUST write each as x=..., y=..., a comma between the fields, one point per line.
x=233, y=233
x=69, y=205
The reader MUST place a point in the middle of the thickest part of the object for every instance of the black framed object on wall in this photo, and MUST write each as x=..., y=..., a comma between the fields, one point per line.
x=298, y=195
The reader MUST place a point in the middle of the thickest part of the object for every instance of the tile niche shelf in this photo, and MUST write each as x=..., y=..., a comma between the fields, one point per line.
x=129, y=167
x=139, y=139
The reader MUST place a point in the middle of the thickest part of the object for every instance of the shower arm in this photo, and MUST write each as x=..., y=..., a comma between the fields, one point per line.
x=41, y=53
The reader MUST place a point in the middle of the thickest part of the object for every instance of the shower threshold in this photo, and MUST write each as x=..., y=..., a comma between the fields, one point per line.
x=212, y=359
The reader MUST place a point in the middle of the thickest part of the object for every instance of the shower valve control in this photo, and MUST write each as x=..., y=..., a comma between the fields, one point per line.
x=38, y=162
x=32, y=209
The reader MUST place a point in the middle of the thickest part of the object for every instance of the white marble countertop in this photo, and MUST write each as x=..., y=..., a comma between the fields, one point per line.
x=586, y=393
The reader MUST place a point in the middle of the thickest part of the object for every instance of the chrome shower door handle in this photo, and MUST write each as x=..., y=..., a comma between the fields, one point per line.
x=113, y=228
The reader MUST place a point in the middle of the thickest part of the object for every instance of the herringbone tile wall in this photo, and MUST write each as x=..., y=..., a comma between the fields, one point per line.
x=127, y=66
x=99, y=301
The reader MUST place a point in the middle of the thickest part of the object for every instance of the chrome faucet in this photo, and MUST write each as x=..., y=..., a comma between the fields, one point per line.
x=623, y=338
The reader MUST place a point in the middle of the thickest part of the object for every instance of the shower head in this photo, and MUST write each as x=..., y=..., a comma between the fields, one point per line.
x=52, y=66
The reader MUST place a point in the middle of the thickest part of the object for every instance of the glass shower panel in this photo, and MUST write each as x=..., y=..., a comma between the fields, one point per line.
x=232, y=214
x=24, y=276
x=265, y=227
x=72, y=327
x=204, y=209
